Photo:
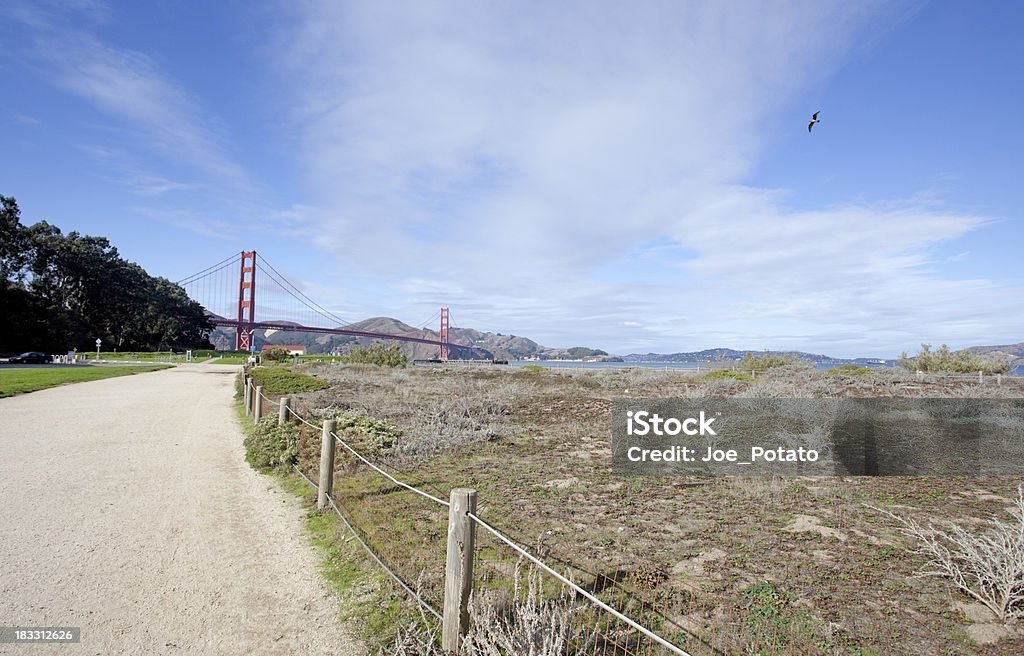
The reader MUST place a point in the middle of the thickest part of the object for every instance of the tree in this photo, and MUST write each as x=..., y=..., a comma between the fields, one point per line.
x=945, y=360
x=64, y=291
x=12, y=240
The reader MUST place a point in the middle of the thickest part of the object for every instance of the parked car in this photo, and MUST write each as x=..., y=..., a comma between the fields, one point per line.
x=31, y=357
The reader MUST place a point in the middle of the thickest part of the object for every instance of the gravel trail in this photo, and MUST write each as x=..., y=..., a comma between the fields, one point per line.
x=127, y=509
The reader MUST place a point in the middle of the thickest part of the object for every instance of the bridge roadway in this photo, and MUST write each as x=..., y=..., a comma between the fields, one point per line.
x=272, y=325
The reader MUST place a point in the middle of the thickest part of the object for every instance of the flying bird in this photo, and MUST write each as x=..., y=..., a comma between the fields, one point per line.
x=814, y=119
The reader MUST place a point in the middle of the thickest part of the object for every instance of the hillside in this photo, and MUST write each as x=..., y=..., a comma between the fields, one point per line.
x=728, y=355
x=516, y=347
x=491, y=345
x=1012, y=352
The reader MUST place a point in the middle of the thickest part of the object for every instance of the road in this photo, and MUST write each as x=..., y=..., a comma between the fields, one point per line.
x=127, y=509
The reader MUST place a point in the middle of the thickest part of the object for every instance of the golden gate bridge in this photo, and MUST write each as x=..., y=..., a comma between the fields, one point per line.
x=228, y=292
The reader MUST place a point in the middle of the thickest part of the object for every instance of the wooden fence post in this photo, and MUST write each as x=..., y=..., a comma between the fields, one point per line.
x=247, y=395
x=326, y=463
x=257, y=404
x=979, y=377
x=458, y=576
x=282, y=412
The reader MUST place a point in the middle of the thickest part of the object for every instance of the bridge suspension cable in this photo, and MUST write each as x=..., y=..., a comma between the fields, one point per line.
x=210, y=270
x=298, y=294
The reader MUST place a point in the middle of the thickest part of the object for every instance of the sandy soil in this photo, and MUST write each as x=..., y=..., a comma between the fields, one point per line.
x=127, y=509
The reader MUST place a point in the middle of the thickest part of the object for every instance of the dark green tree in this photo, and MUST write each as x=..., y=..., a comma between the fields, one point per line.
x=65, y=291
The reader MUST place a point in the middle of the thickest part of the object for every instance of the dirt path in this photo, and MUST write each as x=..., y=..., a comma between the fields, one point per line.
x=126, y=508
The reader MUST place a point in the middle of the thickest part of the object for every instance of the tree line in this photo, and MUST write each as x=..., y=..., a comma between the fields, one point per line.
x=60, y=292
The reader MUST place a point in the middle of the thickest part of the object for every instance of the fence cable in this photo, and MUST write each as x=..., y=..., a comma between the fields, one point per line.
x=537, y=561
x=412, y=593
x=483, y=524
x=389, y=476
x=369, y=464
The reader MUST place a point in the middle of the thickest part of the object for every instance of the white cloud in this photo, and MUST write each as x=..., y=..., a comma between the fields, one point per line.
x=503, y=156
x=129, y=86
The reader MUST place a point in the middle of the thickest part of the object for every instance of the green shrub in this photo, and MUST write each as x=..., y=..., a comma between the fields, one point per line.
x=275, y=355
x=278, y=381
x=532, y=368
x=378, y=354
x=270, y=446
x=380, y=434
x=764, y=362
x=945, y=360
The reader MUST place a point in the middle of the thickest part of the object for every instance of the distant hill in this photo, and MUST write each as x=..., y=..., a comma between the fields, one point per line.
x=493, y=345
x=516, y=347
x=732, y=355
x=1012, y=352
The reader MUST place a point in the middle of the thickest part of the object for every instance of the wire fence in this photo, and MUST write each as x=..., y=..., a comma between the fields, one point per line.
x=518, y=593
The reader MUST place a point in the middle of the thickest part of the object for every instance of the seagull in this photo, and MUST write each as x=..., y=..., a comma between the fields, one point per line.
x=814, y=119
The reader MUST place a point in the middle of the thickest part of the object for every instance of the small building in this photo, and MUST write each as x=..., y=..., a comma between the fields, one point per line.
x=290, y=349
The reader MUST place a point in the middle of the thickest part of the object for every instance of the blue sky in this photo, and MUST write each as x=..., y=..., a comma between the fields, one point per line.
x=635, y=178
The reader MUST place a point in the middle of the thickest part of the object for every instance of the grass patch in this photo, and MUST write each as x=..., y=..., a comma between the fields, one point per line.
x=198, y=355
x=231, y=359
x=277, y=381
x=20, y=381
x=773, y=620
x=366, y=595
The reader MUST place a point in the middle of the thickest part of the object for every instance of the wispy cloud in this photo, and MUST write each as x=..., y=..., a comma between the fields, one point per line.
x=24, y=119
x=511, y=155
x=148, y=105
x=143, y=184
x=203, y=225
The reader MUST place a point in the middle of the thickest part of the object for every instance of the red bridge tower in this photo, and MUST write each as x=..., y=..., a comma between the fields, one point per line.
x=246, y=302
x=444, y=334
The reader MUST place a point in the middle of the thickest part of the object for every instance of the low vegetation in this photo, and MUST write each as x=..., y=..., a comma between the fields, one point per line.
x=270, y=447
x=526, y=621
x=944, y=360
x=275, y=355
x=21, y=380
x=785, y=566
x=378, y=354
x=727, y=374
x=368, y=600
x=987, y=565
x=848, y=370
x=763, y=362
